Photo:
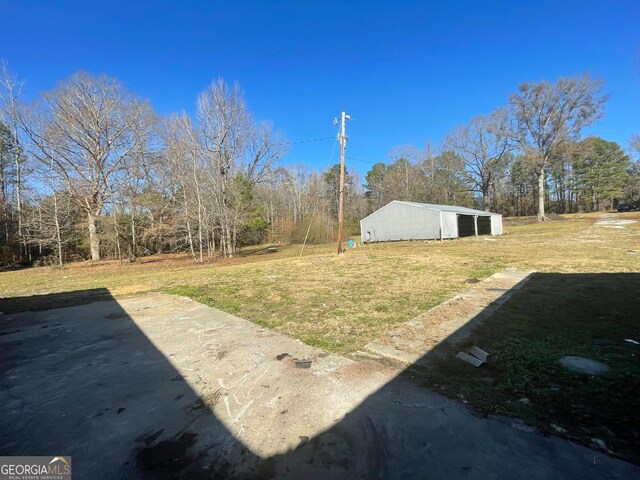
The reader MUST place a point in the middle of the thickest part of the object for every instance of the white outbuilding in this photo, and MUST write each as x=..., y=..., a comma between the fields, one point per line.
x=400, y=220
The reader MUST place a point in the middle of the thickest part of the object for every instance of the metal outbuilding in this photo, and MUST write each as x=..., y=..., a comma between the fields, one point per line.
x=400, y=220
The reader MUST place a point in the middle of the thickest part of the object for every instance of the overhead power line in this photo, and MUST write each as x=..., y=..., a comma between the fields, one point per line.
x=332, y=150
x=366, y=162
x=309, y=140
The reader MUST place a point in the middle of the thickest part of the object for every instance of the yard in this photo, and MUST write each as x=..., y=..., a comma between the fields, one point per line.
x=342, y=303
x=583, y=301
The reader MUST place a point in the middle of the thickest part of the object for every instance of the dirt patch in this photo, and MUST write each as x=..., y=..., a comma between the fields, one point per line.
x=615, y=223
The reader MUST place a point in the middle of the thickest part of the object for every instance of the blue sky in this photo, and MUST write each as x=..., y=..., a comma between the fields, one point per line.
x=406, y=71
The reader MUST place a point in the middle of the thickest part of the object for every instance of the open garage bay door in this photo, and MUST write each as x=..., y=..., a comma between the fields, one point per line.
x=484, y=225
x=466, y=225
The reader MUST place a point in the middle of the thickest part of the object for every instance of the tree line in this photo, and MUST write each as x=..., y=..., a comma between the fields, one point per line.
x=89, y=171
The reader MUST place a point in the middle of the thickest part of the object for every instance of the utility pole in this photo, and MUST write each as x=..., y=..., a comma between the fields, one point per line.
x=343, y=147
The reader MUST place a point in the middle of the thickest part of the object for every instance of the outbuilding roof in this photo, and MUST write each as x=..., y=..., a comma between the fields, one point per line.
x=447, y=208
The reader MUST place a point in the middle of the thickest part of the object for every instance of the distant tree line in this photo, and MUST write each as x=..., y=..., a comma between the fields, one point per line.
x=90, y=171
x=526, y=158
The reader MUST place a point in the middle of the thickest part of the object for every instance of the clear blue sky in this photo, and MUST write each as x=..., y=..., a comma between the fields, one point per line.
x=406, y=71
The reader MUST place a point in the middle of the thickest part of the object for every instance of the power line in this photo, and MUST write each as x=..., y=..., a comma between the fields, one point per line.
x=366, y=162
x=337, y=137
x=332, y=150
x=309, y=140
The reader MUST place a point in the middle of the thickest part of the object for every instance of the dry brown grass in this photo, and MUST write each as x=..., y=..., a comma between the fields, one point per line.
x=341, y=303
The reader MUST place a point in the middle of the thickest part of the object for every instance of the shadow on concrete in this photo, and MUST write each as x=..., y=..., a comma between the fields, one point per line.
x=88, y=383
x=36, y=303
x=96, y=388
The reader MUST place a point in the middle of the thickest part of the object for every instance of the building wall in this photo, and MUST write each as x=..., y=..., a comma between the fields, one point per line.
x=496, y=225
x=449, y=225
x=397, y=221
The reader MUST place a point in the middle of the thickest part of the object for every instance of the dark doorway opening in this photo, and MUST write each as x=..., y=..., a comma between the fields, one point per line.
x=466, y=226
x=484, y=225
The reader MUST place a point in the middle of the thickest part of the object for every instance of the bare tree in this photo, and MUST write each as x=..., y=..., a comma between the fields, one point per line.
x=225, y=125
x=187, y=172
x=482, y=144
x=546, y=115
x=238, y=152
x=634, y=143
x=86, y=130
x=10, y=94
x=47, y=225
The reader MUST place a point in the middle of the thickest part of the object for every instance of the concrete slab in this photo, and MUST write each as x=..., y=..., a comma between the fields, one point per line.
x=163, y=387
x=452, y=320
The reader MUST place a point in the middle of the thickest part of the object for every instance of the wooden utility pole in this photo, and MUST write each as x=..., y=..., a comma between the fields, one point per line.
x=343, y=147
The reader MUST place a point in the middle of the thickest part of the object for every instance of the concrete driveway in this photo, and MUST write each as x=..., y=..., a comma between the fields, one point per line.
x=163, y=387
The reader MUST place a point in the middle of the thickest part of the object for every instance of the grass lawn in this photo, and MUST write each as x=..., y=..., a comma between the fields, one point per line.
x=342, y=303
x=583, y=301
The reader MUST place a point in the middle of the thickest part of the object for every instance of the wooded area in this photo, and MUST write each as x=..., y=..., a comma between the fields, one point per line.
x=90, y=171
